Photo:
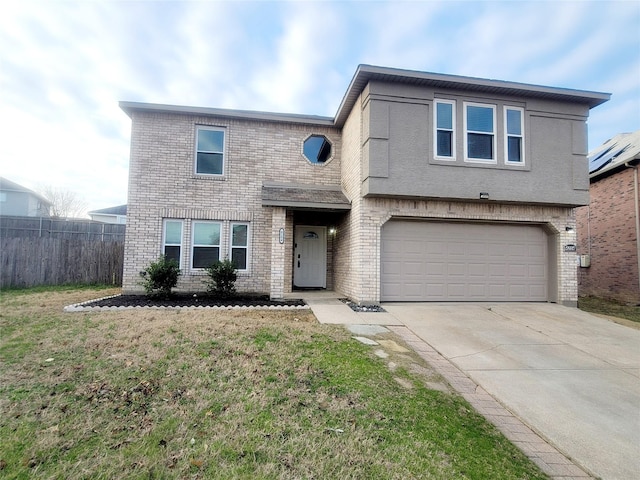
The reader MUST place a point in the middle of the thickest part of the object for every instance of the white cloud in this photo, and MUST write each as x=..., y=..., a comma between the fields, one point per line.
x=295, y=75
x=66, y=64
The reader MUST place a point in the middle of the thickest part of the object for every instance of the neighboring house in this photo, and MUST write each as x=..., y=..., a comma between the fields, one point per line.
x=609, y=228
x=110, y=215
x=423, y=187
x=16, y=200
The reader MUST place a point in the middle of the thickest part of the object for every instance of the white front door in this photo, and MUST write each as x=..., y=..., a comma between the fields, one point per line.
x=310, y=257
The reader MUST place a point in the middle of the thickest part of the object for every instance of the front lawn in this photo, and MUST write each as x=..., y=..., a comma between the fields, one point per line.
x=610, y=308
x=225, y=395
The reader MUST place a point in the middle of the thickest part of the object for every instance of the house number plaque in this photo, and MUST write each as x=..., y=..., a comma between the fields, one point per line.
x=570, y=248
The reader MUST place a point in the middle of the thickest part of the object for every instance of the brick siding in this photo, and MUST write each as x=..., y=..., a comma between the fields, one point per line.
x=607, y=231
x=162, y=184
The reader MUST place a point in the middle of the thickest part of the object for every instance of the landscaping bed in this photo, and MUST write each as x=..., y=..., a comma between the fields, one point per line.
x=191, y=300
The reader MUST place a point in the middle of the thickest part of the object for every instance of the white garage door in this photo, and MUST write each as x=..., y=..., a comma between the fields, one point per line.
x=440, y=261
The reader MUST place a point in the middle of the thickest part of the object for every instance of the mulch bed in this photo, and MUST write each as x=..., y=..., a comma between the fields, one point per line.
x=191, y=300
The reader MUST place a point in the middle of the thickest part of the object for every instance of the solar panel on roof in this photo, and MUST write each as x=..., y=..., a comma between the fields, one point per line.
x=600, y=161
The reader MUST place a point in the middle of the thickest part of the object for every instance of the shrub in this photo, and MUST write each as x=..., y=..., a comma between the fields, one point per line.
x=221, y=279
x=160, y=277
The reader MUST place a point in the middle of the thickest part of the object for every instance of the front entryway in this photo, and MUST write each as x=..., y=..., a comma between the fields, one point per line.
x=310, y=257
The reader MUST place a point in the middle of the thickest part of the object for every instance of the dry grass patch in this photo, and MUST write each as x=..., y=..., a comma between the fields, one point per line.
x=624, y=313
x=222, y=394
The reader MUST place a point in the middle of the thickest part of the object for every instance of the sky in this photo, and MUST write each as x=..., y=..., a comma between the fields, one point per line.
x=65, y=65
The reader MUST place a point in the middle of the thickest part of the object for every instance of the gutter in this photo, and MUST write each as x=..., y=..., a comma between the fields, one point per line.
x=637, y=208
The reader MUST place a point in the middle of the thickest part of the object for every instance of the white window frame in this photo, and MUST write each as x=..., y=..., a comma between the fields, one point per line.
x=164, y=237
x=194, y=244
x=246, y=247
x=466, y=133
x=200, y=128
x=507, y=135
x=436, y=129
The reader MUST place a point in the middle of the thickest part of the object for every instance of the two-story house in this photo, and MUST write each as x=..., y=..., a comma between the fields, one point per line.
x=423, y=187
x=16, y=200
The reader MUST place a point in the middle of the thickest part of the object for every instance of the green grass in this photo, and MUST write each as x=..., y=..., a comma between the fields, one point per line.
x=609, y=307
x=225, y=395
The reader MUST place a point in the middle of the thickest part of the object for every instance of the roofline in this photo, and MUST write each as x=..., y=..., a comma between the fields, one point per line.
x=616, y=167
x=129, y=107
x=366, y=73
x=16, y=187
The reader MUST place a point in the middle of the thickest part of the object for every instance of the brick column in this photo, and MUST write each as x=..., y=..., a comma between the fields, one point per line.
x=278, y=221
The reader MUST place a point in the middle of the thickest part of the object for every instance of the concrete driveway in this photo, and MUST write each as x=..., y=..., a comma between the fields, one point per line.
x=571, y=376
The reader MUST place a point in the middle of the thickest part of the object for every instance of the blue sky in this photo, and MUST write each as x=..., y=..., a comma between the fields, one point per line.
x=65, y=65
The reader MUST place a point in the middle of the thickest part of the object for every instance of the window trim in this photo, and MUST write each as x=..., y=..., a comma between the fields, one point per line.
x=223, y=152
x=246, y=247
x=194, y=245
x=494, y=133
x=164, y=238
x=507, y=135
x=326, y=142
x=436, y=129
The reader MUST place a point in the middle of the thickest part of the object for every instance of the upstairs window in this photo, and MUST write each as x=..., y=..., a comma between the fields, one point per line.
x=480, y=136
x=445, y=133
x=209, y=151
x=240, y=245
x=206, y=244
x=172, y=240
x=317, y=149
x=514, y=136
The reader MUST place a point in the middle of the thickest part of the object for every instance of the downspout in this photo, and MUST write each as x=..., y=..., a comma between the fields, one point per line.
x=637, y=208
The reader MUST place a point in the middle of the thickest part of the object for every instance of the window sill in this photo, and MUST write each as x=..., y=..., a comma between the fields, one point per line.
x=203, y=176
x=472, y=163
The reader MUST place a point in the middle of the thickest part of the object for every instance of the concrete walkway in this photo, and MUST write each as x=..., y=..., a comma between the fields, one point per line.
x=561, y=384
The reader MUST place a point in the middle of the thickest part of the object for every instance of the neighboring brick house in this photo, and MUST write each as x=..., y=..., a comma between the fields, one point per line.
x=423, y=187
x=609, y=228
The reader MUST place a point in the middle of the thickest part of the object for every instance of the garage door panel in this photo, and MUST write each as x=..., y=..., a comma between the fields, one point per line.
x=434, y=291
x=537, y=271
x=439, y=261
x=412, y=247
x=537, y=290
x=477, y=291
x=536, y=251
x=477, y=269
x=457, y=291
x=416, y=268
x=521, y=271
x=458, y=249
x=434, y=269
x=457, y=270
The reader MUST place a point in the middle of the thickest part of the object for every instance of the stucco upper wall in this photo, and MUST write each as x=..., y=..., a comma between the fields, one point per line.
x=399, y=157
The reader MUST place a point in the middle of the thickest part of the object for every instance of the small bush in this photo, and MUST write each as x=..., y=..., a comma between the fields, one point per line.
x=160, y=277
x=221, y=279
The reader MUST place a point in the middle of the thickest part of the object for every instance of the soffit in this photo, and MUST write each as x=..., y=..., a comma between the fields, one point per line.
x=367, y=73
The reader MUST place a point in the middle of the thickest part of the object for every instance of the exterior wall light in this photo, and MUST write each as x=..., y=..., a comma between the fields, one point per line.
x=332, y=230
x=569, y=229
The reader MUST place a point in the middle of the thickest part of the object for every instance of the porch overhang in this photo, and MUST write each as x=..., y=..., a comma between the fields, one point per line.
x=304, y=197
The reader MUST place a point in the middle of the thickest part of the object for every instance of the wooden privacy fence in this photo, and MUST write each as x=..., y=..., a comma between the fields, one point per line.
x=45, y=227
x=28, y=262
